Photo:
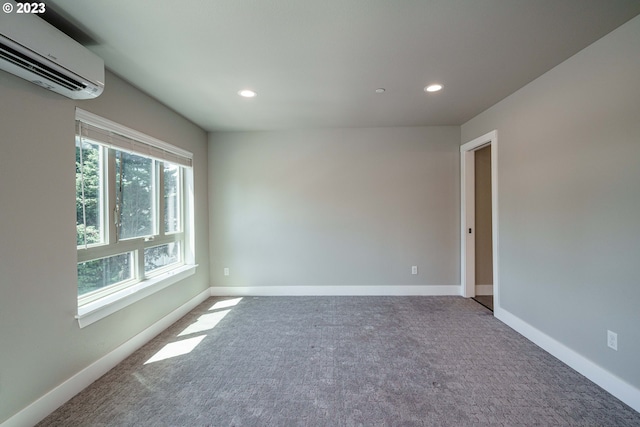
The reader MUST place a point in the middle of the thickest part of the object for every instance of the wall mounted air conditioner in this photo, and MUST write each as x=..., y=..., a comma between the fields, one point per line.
x=36, y=51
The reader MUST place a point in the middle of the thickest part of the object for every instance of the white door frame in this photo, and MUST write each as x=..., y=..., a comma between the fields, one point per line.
x=467, y=214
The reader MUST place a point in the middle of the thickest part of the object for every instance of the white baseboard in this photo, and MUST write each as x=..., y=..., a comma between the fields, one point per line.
x=335, y=290
x=605, y=379
x=484, y=289
x=45, y=405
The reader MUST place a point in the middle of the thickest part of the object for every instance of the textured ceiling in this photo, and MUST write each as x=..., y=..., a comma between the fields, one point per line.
x=316, y=64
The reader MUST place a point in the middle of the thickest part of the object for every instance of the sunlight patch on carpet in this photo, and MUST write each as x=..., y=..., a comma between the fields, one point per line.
x=226, y=303
x=176, y=349
x=204, y=323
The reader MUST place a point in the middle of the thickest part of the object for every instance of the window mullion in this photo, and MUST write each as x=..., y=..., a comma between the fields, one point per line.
x=102, y=251
x=111, y=189
x=161, y=240
x=181, y=198
x=159, y=192
x=138, y=256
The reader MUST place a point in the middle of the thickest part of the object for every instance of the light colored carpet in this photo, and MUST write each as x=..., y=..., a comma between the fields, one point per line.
x=343, y=361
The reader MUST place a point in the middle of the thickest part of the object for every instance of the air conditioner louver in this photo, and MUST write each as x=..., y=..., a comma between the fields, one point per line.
x=38, y=69
x=32, y=49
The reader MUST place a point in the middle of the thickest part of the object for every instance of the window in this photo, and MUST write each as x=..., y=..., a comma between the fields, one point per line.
x=132, y=218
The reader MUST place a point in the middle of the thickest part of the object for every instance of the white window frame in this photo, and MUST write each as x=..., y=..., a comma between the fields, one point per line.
x=100, y=303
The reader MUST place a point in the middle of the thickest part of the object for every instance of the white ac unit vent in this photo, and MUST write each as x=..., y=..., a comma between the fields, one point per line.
x=36, y=51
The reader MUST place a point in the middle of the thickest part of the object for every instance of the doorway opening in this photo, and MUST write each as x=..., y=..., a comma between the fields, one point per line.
x=479, y=220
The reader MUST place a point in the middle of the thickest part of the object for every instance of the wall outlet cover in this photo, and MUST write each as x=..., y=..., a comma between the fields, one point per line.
x=612, y=340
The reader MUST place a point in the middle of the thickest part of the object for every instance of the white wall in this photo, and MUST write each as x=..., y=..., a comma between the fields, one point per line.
x=569, y=201
x=341, y=207
x=41, y=344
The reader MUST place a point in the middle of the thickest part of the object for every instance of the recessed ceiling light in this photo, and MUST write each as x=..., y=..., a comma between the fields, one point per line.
x=380, y=90
x=433, y=88
x=247, y=93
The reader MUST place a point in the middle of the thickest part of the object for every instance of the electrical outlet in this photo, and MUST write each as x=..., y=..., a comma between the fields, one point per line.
x=226, y=271
x=612, y=340
x=414, y=269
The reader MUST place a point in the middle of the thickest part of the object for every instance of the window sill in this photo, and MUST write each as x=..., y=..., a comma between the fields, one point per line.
x=99, y=309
